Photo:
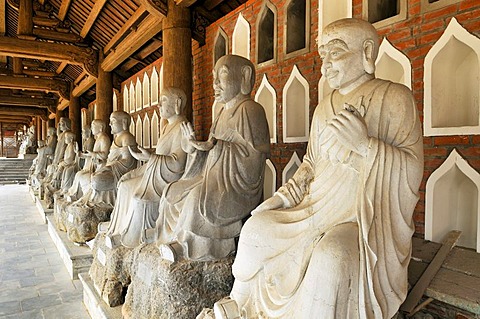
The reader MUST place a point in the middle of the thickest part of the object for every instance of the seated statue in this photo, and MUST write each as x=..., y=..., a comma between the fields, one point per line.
x=201, y=214
x=139, y=191
x=96, y=204
x=69, y=166
x=88, y=141
x=335, y=240
x=45, y=152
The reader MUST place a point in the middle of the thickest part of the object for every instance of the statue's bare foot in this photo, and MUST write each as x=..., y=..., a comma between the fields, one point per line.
x=226, y=308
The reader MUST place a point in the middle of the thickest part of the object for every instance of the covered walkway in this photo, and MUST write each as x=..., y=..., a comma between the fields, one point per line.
x=33, y=280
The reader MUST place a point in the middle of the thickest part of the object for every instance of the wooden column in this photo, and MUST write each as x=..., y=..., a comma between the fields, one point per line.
x=104, y=93
x=38, y=127
x=74, y=115
x=52, y=123
x=177, y=52
x=44, y=130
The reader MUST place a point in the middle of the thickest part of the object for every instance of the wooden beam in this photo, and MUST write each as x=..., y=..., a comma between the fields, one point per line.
x=155, y=7
x=134, y=41
x=57, y=36
x=45, y=22
x=185, y=3
x=131, y=23
x=61, y=67
x=21, y=110
x=62, y=104
x=49, y=74
x=210, y=4
x=80, y=77
x=86, y=57
x=92, y=17
x=62, y=12
x=62, y=88
x=26, y=101
x=149, y=49
x=84, y=85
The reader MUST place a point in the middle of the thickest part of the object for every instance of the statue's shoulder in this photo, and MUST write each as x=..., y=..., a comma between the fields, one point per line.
x=253, y=108
x=126, y=139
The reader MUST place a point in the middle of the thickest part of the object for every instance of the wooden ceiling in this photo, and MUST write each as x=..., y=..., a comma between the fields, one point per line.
x=51, y=48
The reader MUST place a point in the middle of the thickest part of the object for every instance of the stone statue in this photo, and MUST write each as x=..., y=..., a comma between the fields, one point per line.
x=201, y=214
x=69, y=166
x=88, y=140
x=139, y=191
x=96, y=205
x=28, y=145
x=335, y=240
x=44, y=152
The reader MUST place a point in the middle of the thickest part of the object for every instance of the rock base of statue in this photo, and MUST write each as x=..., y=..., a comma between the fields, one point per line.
x=110, y=270
x=48, y=197
x=82, y=221
x=161, y=289
x=59, y=206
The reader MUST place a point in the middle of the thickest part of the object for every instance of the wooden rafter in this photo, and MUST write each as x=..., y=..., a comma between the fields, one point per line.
x=62, y=12
x=134, y=41
x=185, y=3
x=22, y=110
x=84, y=86
x=92, y=17
x=61, y=67
x=86, y=57
x=26, y=101
x=62, y=88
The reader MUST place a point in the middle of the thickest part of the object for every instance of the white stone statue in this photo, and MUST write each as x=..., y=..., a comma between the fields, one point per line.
x=335, y=240
x=139, y=191
x=201, y=214
x=45, y=151
x=69, y=166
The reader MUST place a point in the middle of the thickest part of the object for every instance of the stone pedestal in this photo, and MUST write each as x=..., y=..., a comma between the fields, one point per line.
x=42, y=209
x=110, y=271
x=97, y=309
x=59, y=214
x=77, y=259
x=82, y=221
x=161, y=289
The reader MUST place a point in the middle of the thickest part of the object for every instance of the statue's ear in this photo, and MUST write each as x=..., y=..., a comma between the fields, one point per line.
x=178, y=106
x=368, y=56
x=246, y=87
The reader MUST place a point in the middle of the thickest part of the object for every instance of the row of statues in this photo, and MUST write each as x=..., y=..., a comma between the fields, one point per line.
x=333, y=242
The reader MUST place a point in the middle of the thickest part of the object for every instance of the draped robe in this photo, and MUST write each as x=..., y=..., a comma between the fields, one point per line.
x=136, y=206
x=204, y=212
x=341, y=247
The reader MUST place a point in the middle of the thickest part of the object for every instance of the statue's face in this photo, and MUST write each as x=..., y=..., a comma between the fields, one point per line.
x=167, y=106
x=85, y=134
x=226, y=83
x=96, y=129
x=69, y=139
x=116, y=125
x=62, y=125
x=342, y=58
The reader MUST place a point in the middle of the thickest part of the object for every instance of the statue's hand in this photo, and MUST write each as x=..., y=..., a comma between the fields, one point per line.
x=143, y=155
x=187, y=131
x=351, y=130
x=272, y=203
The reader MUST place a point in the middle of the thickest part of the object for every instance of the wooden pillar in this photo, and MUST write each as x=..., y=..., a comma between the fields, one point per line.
x=177, y=52
x=74, y=115
x=44, y=130
x=38, y=127
x=104, y=93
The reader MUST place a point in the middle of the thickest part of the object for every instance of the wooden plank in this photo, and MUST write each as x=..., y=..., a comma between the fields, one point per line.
x=422, y=284
x=134, y=20
x=61, y=67
x=62, y=88
x=62, y=104
x=80, y=77
x=92, y=17
x=210, y=4
x=135, y=40
x=13, y=100
x=62, y=12
x=84, y=85
x=149, y=49
x=185, y=3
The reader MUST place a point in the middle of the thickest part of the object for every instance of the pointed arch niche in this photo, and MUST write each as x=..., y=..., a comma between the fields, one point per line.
x=146, y=90
x=138, y=130
x=451, y=203
x=154, y=87
x=297, y=27
x=393, y=65
x=126, y=106
x=270, y=180
x=221, y=45
x=332, y=10
x=146, y=131
x=138, y=95
x=296, y=102
x=131, y=98
x=115, y=101
x=131, y=129
x=160, y=84
x=266, y=48
x=291, y=167
x=154, y=129
x=452, y=82
x=241, y=37
x=267, y=97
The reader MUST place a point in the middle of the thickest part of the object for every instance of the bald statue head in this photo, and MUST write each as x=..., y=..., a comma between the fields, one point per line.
x=98, y=126
x=65, y=124
x=51, y=131
x=119, y=121
x=348, y=48
x=232, y=75
x=172, y=102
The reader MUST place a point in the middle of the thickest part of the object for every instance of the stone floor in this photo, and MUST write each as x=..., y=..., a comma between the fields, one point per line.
x=34, y=283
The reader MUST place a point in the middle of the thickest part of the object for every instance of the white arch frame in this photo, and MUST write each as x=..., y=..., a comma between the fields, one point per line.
x=126, y=106
x=220, y=33
x=322, y=5
x=131, y=98
x=296, y=75
x=294, y=160
x=454, y=159
x=160, y=82
x=453, y=31
x=267, y=5
x=272, y=108
x=240, y=25
x=146, y=132
x=115, y=101
x=138, y=95
x=388, y=50
x=272, y=187
x=138, y=130
x=154, y=85
x=154, y=127
x=131, y=128
x=146, y=90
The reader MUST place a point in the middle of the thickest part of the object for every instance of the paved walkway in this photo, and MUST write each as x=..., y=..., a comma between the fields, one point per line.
x=34, y=283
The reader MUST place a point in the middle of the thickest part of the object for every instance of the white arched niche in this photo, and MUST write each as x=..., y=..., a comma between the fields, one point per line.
x=160, y=82
x=154, y=128
x=270, y=180
x=138, y=95
x=126, y=106
x=138, y=130
x=241, y=37
x=154, y=87
x=452, y=84
x=393, y=65
x=332, y=10
x=115, y=101
x=451, y=202
x=131, y=99
x=146, y=90
x=296, y=102
x=146, y=132
x=291, y=167
x=267, y=97
x=131, y=129
x=220, y=46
